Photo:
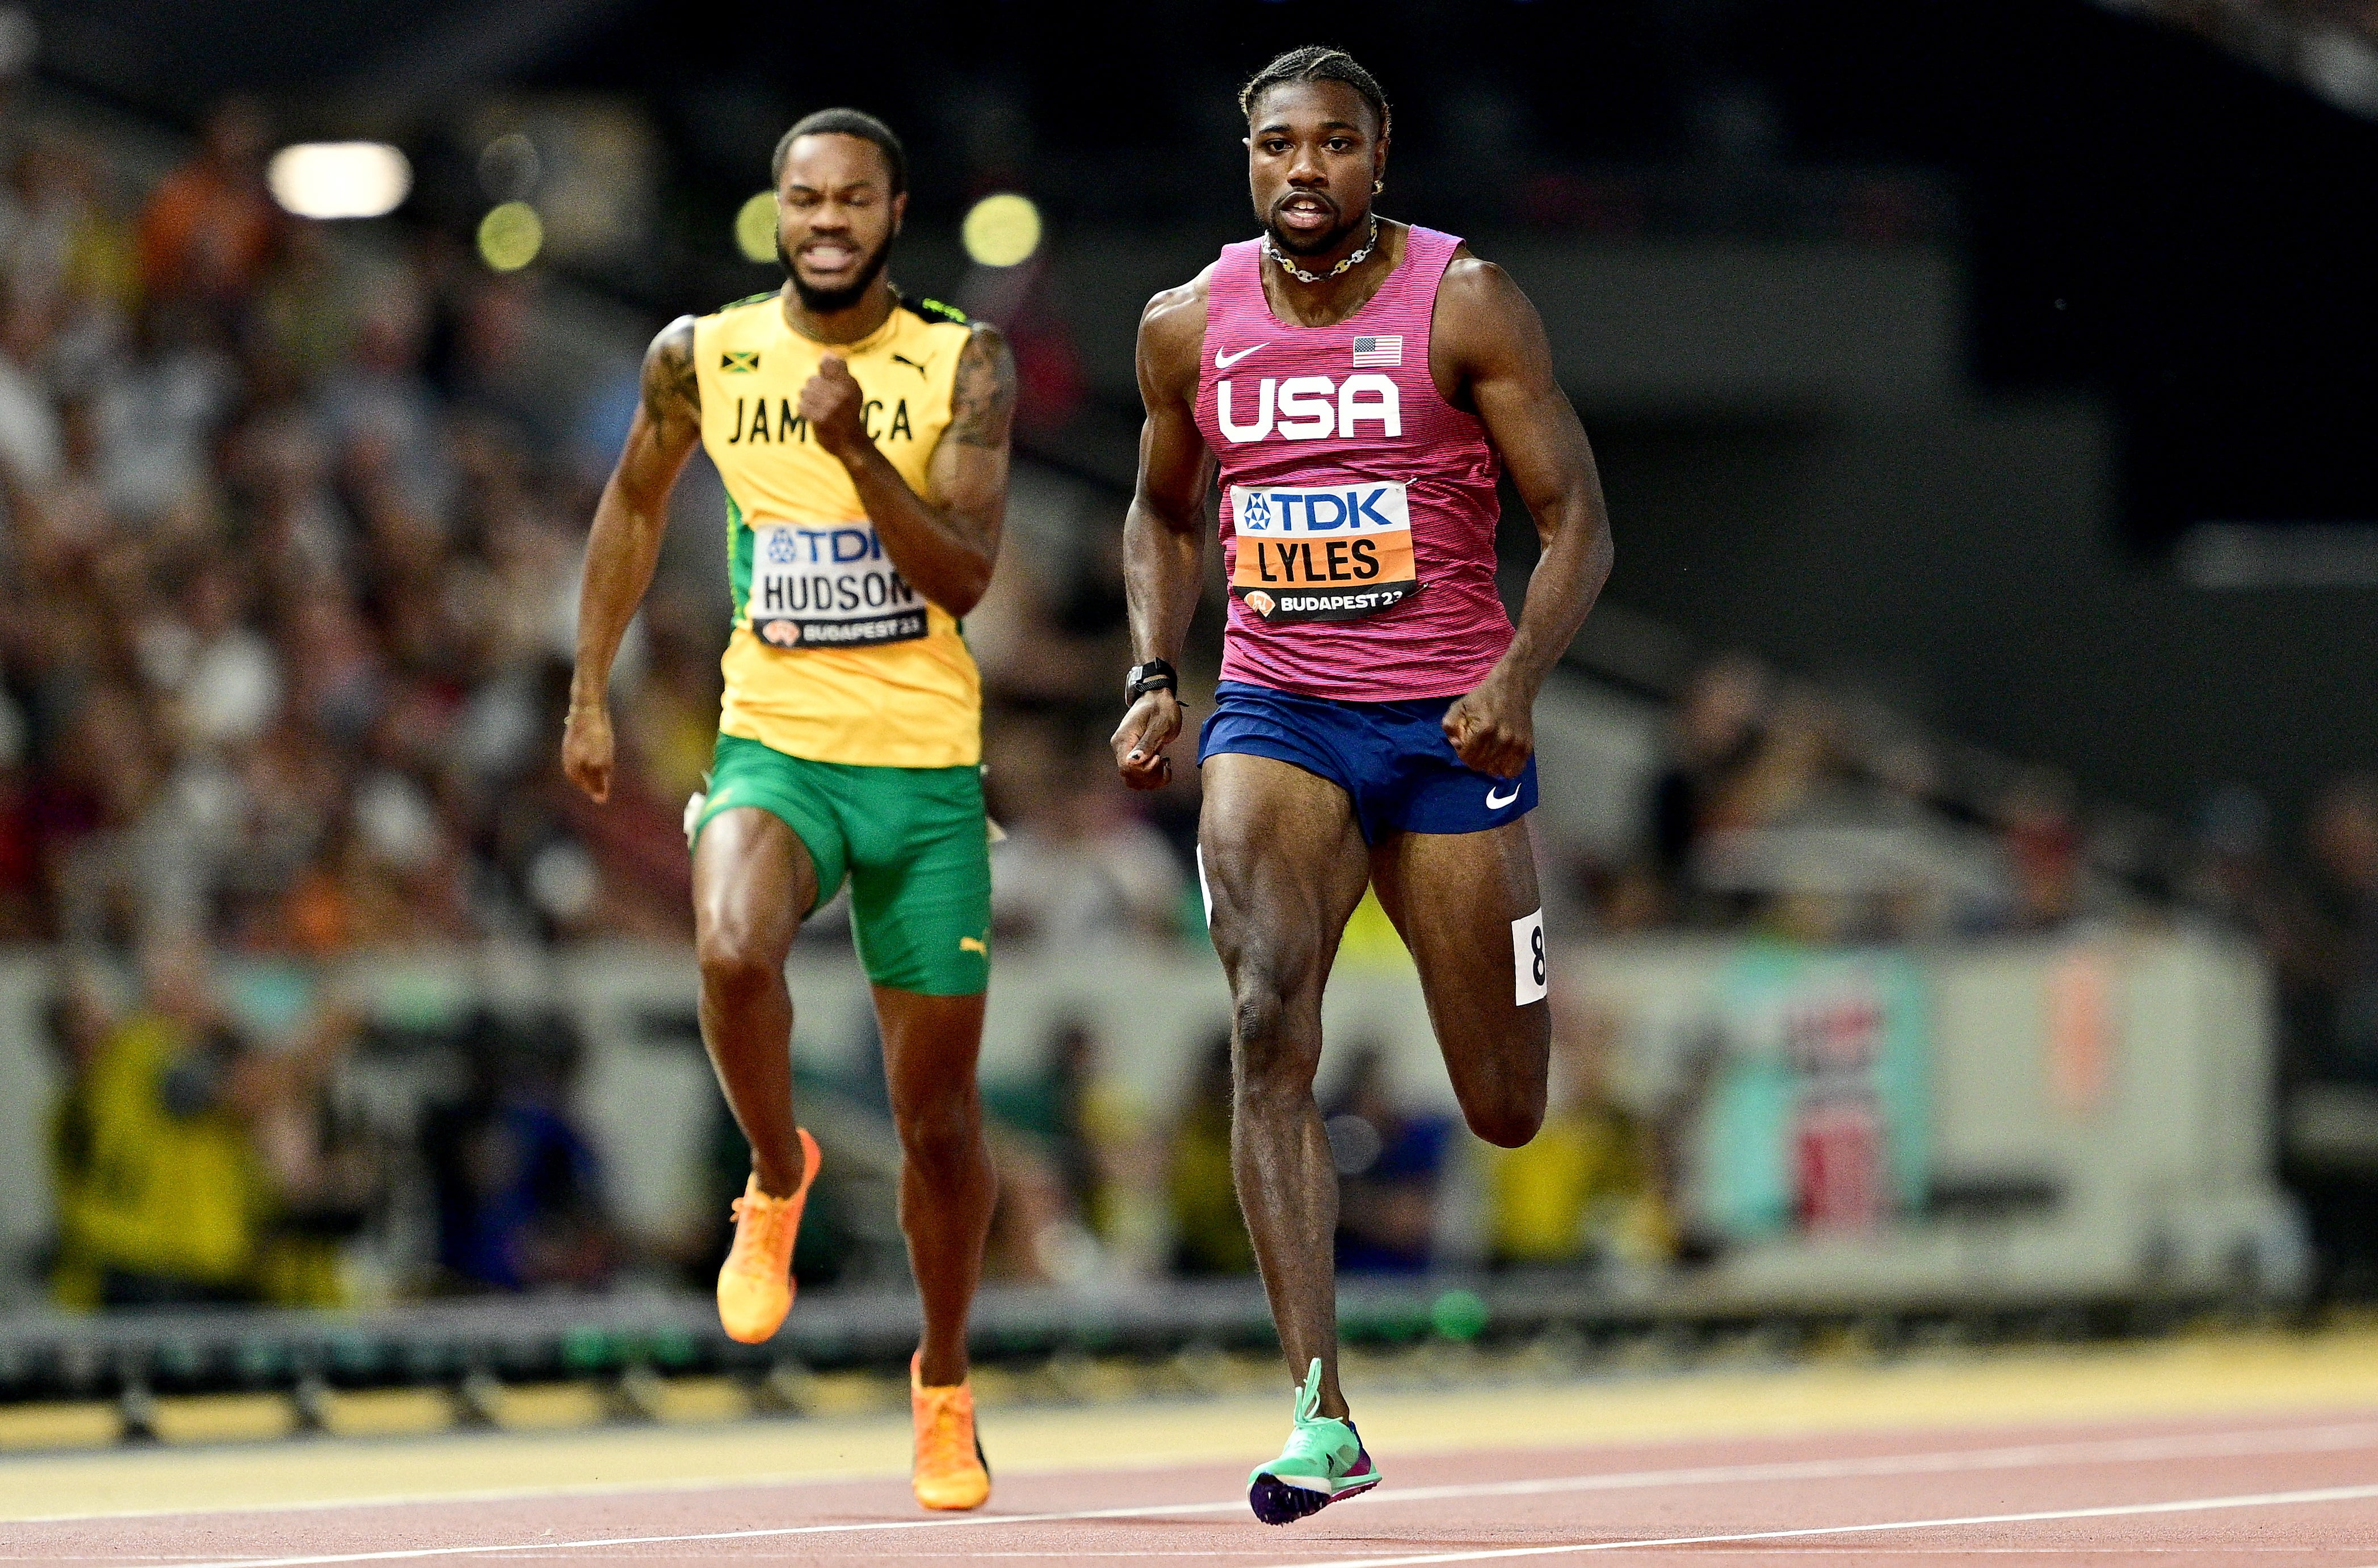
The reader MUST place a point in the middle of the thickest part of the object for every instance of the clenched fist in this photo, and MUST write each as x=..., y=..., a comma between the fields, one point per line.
x=1492, y=729
x=587, y=748
x=835, y=407
x=1140, y=739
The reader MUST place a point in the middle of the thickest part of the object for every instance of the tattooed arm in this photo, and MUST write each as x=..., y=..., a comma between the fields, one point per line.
x=626, y=541
x=946, y=550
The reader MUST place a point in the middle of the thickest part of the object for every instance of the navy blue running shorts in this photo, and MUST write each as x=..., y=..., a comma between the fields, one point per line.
x=1391, y=758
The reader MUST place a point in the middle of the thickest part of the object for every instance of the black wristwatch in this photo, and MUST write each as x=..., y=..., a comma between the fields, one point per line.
x=1153, y=675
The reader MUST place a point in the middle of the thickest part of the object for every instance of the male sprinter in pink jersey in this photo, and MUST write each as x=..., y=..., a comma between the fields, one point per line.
x=1362, y=385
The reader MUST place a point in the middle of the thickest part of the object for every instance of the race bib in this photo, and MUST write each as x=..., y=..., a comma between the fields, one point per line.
x=1325, y=554
x=828, y=585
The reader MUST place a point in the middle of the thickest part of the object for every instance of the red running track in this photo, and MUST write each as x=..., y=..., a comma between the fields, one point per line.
x=2273, y=1493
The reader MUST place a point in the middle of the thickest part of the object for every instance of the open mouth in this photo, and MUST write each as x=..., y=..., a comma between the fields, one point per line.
x=1306, y=214
x=829, y=257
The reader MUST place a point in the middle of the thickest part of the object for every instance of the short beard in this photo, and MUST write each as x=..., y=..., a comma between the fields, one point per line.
x=827, y=301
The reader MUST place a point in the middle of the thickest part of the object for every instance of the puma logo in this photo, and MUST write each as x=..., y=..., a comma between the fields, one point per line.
x=904, y=359
x=973, y=944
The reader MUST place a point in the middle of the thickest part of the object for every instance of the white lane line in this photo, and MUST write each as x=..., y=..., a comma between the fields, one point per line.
x=2044, y=1516
x=2210, y=1445
x=564, y=1492
x=2115, y=1450
x=2110, y=1451
x=414, y=1554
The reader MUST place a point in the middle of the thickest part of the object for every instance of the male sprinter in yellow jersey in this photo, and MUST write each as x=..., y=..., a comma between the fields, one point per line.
x=863, y=442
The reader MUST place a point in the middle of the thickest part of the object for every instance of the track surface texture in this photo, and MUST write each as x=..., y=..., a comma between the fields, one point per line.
x=2238, y=1453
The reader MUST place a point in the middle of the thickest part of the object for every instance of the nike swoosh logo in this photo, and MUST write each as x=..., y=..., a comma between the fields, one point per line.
x=1493, y=804
x=1224, y=361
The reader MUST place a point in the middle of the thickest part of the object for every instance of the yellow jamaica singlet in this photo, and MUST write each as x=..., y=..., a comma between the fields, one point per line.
x=835, y=657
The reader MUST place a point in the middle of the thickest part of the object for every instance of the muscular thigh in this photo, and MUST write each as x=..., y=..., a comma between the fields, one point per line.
x=932, y=1045
x=920, y=881
x=752, y=881
x=1468, y=908
x=1283, y=867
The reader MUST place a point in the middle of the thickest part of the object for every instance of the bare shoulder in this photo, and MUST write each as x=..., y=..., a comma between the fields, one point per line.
x=986, y=349
x=1474, y=286
x=982, y=398
x=670, y=383
x=673, y=345
x=1483, y=325
x=1172, y=333
x=1174, y=319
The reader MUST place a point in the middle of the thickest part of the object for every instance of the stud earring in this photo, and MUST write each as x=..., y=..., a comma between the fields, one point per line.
x=1378, y=186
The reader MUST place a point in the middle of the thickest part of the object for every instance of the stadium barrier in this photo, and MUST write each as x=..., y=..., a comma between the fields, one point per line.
x=1983, y=1132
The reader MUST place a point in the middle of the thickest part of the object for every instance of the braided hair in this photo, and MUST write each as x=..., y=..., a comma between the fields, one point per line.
x=1315, y=62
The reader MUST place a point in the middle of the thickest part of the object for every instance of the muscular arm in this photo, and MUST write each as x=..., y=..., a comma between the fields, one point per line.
x=626, y=540
x=1503, y=364
x=946, y=552
x=1164, y=531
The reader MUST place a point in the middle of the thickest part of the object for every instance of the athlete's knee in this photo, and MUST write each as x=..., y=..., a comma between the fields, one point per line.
x=736, y=961
x=1506, y=1107
x=1256, y=1016
x=1259, y=1030
x=941, y=1126
x=1273, y=1052
x=1509, y=1120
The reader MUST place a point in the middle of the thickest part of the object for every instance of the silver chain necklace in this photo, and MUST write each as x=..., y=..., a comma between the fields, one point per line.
x=1301, y=276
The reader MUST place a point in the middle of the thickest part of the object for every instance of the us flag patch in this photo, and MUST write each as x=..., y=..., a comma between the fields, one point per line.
x=1378, y=351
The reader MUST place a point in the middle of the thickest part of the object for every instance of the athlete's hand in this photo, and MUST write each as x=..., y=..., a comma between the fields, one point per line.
x=836, y=409
x=1139, y=741
x=1492, y=729
x=587, y=747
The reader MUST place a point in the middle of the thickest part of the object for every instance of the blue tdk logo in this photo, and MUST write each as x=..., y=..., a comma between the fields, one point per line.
x=1360, y=508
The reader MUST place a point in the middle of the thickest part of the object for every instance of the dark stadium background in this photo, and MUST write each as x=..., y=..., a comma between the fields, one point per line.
x=2202, y=224
x=2143, y=217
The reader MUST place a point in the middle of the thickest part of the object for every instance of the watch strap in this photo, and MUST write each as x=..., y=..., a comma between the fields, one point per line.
x=1155, y=675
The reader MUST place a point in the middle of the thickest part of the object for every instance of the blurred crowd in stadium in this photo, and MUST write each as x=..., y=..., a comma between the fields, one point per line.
x=291, y=540
x=294, y=536
x=193, y=1166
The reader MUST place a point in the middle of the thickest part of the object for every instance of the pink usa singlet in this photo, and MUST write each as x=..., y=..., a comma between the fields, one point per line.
x=1358, y=505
